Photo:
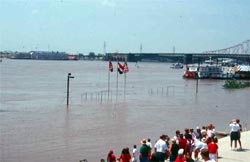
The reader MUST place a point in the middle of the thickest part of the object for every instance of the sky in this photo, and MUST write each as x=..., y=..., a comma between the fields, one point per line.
x=149, y=26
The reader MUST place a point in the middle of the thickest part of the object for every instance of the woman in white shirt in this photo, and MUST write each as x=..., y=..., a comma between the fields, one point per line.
x=234, y=133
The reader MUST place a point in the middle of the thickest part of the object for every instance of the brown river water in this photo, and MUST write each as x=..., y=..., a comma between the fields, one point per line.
x=37, y=126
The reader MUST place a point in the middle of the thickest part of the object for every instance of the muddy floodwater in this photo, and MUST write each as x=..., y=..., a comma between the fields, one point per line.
x=37, y=126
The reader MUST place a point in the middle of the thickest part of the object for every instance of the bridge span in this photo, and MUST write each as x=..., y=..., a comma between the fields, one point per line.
x=185, y=58
x=240, y=51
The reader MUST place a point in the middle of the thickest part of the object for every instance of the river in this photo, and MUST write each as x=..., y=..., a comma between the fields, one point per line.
x=36, y=125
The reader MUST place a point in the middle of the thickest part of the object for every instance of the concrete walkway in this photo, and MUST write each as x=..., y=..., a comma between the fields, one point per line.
x=228, y=155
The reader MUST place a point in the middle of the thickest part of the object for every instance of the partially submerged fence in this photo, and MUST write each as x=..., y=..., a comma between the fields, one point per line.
x=106, y=96
x=162, y=91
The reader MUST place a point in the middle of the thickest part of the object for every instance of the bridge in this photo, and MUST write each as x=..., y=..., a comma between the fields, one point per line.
x=240, y=52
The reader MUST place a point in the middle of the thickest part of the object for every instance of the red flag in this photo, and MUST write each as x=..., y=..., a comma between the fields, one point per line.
x=125, y=70
x=111, y=66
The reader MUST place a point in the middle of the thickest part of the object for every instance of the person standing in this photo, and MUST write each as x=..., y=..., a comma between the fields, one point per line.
x=203, y=131
x=161, y=148
x=213, y=149
x=173, y=149
x=149, y=145
x=205, y=155
x=144, y=151
x=177, y=136
x=234, y=133
x=197, y=133
x=125, y=155
x=239, y=132
x=135, y=154
x=188, y=136
x=111, y=156
x=180, y=157
x=183, y=143
x=189, y=158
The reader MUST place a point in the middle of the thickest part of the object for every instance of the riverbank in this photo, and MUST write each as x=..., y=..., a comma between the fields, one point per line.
x=228, y=155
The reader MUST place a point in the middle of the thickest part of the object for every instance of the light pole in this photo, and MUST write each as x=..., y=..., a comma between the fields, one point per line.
x=69, y=76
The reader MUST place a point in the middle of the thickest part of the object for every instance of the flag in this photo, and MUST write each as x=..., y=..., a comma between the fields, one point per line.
x=111, y=66
x=119, y=65
x=125, y=67
x=119, y=71
x=120, y=68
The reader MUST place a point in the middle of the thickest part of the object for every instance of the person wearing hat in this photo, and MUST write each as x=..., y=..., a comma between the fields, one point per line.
x=173, y=149
x=144, y=151
x=180, y=157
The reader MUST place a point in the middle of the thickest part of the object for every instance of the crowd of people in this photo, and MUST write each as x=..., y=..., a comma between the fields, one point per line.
x=183, y=147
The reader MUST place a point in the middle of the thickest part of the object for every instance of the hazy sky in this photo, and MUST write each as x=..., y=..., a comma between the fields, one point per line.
x=159, y=25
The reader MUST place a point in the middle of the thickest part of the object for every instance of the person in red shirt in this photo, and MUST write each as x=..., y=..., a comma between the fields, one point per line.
x=213, y=149
x=111, y=156
x=180, y=157
x=182, y=143
x=125, y=155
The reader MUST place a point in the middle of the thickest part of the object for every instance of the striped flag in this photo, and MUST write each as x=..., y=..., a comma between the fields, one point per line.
x=120, y=68
x=125, y=67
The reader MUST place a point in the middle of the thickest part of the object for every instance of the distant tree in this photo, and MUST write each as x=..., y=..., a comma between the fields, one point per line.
x=234, y=84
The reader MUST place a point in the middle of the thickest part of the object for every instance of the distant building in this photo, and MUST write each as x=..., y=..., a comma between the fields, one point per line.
x=44, y=55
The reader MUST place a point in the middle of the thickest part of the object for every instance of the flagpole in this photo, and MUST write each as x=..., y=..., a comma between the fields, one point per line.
x=124, y=82
x=124, y=85
x=108, y=83
x=104, y=49
x=117, y=79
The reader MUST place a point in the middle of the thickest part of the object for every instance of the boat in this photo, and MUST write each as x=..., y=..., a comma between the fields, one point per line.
x=210, y=71
x=210, y=61
x=191, y=71
x=177, y=66
x=206, y=71
x=227, y=72
x=242, y=71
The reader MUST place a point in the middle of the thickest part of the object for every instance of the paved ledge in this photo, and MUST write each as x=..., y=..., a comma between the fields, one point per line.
x=228, y=155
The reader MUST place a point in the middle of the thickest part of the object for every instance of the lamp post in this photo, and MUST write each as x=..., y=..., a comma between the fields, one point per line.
x=69, y=76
